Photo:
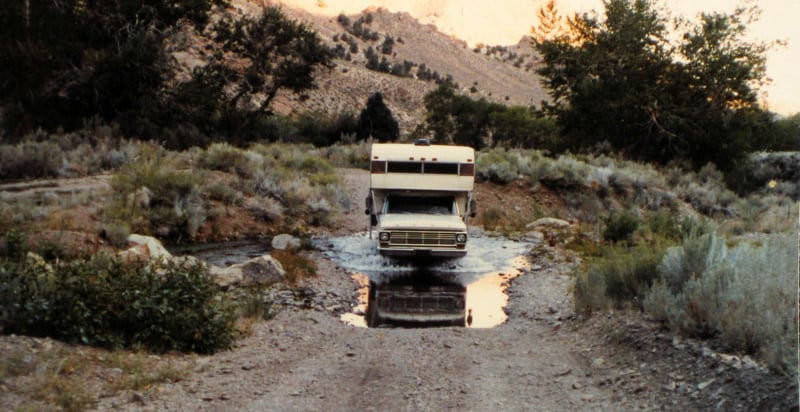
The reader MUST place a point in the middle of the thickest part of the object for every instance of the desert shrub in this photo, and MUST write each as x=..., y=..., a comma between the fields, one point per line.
x=299, y=177
x=107, y=303
x=226, y=158
x=746, y=295
x=589, y=292
x=690, y=260
x=117, y=234
x=16, y=244
x=349, y=155
x=224, y=193
x=622, y=275
x=29, y=160
x=664, y=224
x=706, y=191
x=502, y=166
x=565, y=172
x=296, y=265
x=153, y=195
x=620, y=226
x=265, y=208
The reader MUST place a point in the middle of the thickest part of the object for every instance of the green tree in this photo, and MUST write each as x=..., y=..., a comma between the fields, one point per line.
x=620, y=79
x=454, y=118
x=376, y=121
x=275, y=52
x=62, y=62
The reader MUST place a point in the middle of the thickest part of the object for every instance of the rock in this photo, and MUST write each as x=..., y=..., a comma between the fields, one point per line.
x=263, y=270
x=153, y=247
x=285, y=241
x=534, y=236
x=705, y=384
x=548, y=222
x=598, y=363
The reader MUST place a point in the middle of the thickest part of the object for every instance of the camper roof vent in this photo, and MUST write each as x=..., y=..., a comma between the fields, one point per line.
x=422, y=142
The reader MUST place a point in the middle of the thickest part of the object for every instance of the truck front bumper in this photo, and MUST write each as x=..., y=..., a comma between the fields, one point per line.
x=413, y=252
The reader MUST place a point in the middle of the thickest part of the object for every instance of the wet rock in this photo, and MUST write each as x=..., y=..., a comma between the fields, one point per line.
x=263, y=270
x=285, y=241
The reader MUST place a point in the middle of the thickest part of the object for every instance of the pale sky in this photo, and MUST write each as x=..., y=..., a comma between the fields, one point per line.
x=504, y=22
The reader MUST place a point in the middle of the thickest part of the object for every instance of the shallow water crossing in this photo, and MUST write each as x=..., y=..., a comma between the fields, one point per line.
x=468, y=291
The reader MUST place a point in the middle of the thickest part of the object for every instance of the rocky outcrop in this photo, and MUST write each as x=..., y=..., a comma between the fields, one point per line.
x=261, y=271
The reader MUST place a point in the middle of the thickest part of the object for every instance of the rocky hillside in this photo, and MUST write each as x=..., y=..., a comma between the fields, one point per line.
x=417, y=54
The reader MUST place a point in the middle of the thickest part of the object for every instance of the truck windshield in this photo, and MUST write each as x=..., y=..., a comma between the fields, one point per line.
x=434, y=205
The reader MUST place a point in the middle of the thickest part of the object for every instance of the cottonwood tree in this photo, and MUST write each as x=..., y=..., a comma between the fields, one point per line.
x=619, y=78
x=267, y=53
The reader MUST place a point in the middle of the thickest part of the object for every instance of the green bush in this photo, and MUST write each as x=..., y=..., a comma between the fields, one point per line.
x=620, y=226
x=107, y=303
x=621, y=276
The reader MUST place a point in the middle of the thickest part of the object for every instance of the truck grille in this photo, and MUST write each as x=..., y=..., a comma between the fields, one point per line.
x=444, y=239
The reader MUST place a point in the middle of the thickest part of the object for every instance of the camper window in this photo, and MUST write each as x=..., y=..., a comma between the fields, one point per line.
x=434, y=205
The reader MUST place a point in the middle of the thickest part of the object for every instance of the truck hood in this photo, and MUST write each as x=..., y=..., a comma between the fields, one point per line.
x=422, y=222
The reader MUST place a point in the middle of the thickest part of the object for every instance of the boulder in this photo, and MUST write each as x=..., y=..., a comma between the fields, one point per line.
x=285, y=241
x=548, y=222
x=263, y=270
x=147, y=247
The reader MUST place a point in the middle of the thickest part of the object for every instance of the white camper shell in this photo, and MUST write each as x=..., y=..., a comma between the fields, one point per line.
x=420, y=198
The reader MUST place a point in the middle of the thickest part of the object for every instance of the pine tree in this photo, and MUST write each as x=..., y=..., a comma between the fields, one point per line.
x=376, y=121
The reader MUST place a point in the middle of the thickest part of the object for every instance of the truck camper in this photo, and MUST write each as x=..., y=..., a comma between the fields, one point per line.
x=420, y=198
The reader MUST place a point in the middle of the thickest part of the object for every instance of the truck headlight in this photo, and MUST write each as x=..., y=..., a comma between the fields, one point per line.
x=384, y=236
x=461, y=238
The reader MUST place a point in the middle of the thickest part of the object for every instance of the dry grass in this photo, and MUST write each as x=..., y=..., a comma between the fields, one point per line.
x=48, y=375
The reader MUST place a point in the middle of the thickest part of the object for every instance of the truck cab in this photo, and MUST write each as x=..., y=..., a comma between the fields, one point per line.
x=420, y=198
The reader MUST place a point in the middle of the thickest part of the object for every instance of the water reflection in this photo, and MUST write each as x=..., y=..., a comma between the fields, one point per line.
x=465, y=292
x=415, y=300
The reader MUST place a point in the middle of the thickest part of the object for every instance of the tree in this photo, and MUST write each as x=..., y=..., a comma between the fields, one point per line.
x=621, y=80
x=275, y=52
x=62, y=62
x=376, y=121
x=453, y=118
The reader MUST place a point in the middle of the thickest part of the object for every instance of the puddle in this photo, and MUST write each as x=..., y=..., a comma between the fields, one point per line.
x=225, y=253
x=468, y=292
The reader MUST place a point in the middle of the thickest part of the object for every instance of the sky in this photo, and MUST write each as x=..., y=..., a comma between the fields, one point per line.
x=504, y=22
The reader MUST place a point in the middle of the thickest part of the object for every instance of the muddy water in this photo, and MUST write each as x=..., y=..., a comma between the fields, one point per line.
x=469, y=291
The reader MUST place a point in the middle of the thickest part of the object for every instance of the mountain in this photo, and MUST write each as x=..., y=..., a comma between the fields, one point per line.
x=416, y=53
